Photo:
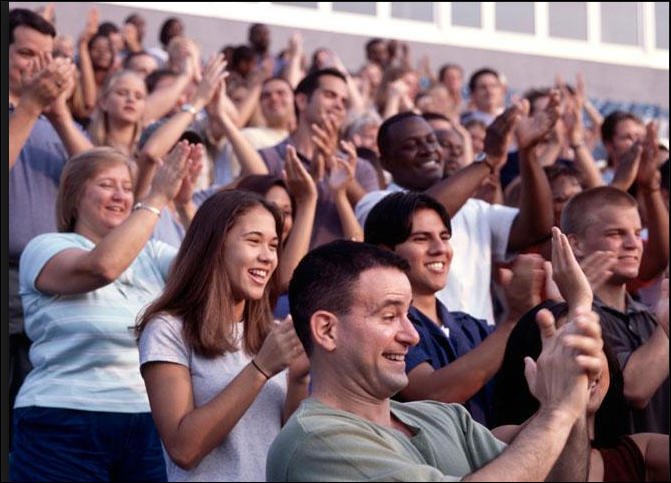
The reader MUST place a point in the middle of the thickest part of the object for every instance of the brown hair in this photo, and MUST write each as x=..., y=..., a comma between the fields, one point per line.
x=578, y=213
x=198, y=289
x=100, y=124
x=77, y=171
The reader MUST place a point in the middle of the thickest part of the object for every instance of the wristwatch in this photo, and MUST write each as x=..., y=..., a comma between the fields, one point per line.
x=189, y=108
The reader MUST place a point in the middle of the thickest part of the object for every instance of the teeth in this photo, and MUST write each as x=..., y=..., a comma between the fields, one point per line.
x=395, y=357
x=259, y=273
x=436, y=266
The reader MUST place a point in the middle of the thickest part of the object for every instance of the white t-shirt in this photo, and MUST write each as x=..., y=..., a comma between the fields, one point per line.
x=241, y=456
x=480, y=234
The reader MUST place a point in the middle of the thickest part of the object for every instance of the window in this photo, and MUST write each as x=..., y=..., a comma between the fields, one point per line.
x=619, y=23
x=366, y=8
x=298, y=4
x=466, y=14
x=568, y=20
x=422, y=11
x=662, y=25
x=515, y=17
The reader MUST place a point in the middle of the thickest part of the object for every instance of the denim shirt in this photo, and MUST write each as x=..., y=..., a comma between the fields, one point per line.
x=440, y=349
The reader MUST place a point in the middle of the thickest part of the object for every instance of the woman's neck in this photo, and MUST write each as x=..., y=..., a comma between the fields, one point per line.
x=122, y=137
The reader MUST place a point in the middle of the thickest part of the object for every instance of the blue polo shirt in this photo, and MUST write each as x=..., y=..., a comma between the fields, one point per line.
x=439, y=349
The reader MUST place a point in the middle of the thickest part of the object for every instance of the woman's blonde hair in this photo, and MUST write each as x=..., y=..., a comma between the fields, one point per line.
x=77, y=171
x=100, y=124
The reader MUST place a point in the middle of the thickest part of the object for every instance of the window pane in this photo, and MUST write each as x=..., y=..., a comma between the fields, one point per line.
x=466, y=14
x=619, y=22
x=368, y=8
x=299, y=4
x=662, y=25
x=515, y=17
x=568, y=20
x=422, y=11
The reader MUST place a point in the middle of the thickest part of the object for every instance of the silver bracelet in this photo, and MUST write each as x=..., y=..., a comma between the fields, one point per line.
x=141, y=206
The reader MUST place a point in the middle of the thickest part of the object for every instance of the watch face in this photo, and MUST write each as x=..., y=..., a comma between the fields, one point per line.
x=480, y=157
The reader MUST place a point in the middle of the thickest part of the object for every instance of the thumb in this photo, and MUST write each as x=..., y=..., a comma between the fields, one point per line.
x=530, y=370
x=546, y=324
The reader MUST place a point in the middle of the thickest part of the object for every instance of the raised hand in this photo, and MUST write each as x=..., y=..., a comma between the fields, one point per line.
x=169, y=176
x=531, y=130
x=212, y=77
x=91, y=26
x=569, y=360
x=523, y=290
x=190, y=179
x=627, y=169
x=46, y=80
x=499, y=133
x=647, y=175
x=280, y=349
x=342, y=170
x=299, y=182
x=325, y=138
x=567, y=274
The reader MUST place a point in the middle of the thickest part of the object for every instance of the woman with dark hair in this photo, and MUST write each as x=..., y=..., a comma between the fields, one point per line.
x=212, y=359
x=82, y=412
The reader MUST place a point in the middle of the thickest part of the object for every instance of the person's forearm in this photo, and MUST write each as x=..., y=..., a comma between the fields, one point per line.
x=532, y=454
x=534, y=221
x=73, y=139
x=350, y=225
x=250, y=160
x=584, y=163
x=248, y=106
x=356, y=102
x=573, y=463
x=165, y=137
x=354, y=192
x=646, y=369
x=392, y=106
x=88, y=78
x=116, y=251
x=455, y=191
x=462, y=378
x=204, y=428
x=164, y=99
x=292, y=71
x=656, y=255
x=297, y=390
x=186, y=212
x=298, y=242
x=21, y=122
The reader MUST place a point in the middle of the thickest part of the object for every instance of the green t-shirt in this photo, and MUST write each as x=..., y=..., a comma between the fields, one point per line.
x=320, y=443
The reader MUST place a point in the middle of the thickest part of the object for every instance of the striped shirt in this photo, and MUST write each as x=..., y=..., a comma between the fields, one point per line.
x=83, y=349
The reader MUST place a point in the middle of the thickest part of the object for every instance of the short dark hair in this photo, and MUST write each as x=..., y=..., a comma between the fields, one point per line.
x=325, y=279
x=383, y=135
x=447, y=67
x=155, y=77
x=21, y=17
x=310, y=83
x=532, y=95
x=612, y=120
x=578, y=214
x=389, y=223
x=371, y=42
x=242, y=53
x=164, y=34
x=434, y=116
x=107, y=28
x=664, y=169
x=479, y=73
x=558, y=170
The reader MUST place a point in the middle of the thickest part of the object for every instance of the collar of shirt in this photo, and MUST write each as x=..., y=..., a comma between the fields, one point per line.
x=633, y=307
